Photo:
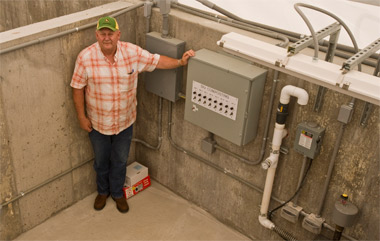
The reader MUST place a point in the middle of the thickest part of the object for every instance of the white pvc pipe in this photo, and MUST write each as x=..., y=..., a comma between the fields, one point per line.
x=271, y=162
x=267, y=191
x=291, y=90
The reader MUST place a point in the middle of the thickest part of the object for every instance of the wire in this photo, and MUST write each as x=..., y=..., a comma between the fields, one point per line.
x=299, y=188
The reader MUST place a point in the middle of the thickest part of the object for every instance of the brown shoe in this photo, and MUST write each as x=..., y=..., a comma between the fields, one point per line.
x=121, y=204
x=100, y=201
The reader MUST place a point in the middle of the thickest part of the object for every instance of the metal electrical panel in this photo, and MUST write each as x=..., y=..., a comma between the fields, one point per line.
x=309, y=138
x=224, y=95
x=164, y=82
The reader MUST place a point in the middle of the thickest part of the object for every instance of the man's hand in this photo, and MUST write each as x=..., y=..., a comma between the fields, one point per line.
x=170, y=63
x=78, y=97
x=185, y=57
x=85, y=124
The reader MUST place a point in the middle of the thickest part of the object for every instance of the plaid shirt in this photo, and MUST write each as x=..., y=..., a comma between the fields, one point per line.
x=111, y=88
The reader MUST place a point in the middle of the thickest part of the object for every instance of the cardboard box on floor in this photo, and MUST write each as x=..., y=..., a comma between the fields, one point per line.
x=135, y=173
x=138, y=187
x=137, y=179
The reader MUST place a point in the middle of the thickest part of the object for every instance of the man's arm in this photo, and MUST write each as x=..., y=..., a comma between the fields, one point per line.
x=78, y=97
x=166, y=62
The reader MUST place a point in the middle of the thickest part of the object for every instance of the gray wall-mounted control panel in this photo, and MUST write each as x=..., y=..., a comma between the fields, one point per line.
x=224, y=95
x=166, y=83
x=308, y=139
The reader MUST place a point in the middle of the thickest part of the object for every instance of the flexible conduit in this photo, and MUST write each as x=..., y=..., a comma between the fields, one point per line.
x=292, y=36
x=77, y=29
x=316, y=45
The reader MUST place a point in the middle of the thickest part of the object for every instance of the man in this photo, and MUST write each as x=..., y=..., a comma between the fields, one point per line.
x=104, y=86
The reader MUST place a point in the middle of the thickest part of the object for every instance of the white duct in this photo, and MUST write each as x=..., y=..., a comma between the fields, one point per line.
x=271, y=162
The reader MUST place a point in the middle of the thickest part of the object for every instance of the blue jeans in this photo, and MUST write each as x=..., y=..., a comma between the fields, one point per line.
x=111, y=154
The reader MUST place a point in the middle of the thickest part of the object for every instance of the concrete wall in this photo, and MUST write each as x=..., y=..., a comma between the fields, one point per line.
x=40, y=138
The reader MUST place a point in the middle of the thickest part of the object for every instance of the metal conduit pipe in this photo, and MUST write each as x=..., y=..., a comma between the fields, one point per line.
x=297, y=5
x=266, y=129
x=164, y=6
x=332, y=160
x=302, y=173
x=232, y=23
x=22, y=194
x=56, y=35
x=159, y=138
x=207, y=162
x=330, y=169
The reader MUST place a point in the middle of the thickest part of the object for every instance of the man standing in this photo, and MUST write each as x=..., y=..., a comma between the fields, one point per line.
x=104, y=86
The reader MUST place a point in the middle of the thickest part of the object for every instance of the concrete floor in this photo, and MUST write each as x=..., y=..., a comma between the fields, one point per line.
x=155, y=213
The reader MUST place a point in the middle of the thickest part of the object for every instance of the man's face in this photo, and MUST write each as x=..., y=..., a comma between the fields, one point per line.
x=107, y=39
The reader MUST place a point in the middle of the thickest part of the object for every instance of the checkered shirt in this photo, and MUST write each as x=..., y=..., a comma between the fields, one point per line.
x=110, y=92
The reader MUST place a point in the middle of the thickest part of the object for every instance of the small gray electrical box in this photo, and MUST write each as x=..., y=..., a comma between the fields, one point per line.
x=309, y=138
x=224, y=95
x=164, y=82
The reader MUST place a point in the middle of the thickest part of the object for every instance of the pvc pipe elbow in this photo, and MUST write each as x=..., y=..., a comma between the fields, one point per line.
x=290, y=90
x=265, y=222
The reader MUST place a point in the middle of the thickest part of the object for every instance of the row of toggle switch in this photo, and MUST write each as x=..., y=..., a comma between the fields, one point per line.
x=214, y=103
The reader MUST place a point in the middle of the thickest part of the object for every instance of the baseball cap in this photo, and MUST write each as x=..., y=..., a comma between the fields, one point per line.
x=107, y=22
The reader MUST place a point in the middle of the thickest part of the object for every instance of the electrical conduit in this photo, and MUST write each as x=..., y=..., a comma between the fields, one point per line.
x=279, y=133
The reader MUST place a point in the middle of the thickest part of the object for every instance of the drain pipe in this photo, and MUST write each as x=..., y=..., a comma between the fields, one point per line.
x=279, y=133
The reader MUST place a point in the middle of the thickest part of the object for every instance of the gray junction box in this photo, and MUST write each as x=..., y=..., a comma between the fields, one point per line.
x=164, y=82
x=224, y=95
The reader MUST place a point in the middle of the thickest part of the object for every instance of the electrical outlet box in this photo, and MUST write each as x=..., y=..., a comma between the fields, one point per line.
x=166, y=83
x=308, y=139
x=291, y=212
x=224, y=95
x=313, y=223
